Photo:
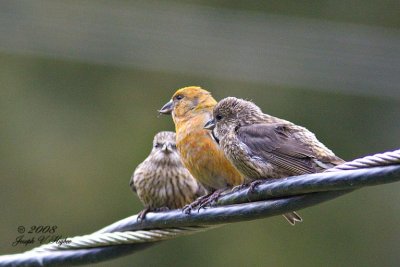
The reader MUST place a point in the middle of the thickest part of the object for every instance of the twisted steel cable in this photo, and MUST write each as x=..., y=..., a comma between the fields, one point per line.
x=119, y=238
x=382, y=159
x=271, y=198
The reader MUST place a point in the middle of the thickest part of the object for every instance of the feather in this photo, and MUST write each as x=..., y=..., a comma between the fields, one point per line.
x=276, y=144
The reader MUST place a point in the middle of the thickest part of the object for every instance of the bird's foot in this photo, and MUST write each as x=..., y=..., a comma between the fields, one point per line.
x=239, y=187
x=253, y=185
x=210, y=199
x=141, y=215
x=202, y=201
x=188, y=208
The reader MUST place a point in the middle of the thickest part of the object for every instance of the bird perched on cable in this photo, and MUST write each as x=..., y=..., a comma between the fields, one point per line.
x=262, y=146
x=191, y=107
x=161, y=181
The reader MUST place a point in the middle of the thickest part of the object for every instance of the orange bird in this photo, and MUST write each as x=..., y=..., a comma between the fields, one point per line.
x=191, y=107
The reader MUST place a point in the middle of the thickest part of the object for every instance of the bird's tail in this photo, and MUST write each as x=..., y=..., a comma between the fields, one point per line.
x=292, y=217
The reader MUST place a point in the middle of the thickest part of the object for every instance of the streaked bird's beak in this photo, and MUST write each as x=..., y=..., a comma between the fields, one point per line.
x=210, y=125
x=167, y=148
x=167, y=108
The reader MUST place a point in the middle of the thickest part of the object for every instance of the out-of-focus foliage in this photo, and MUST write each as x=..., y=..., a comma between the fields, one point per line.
x=72, y=133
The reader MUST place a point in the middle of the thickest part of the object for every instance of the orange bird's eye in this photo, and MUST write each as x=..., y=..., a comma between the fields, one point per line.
x=178, y=97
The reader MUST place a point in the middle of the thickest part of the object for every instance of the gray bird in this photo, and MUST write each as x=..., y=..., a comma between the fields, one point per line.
x=161, y=181
x=262, y=146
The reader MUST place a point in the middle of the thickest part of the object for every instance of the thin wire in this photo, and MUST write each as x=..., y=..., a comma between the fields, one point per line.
x=268, y=199
x=140, y=236
x=119, y=238
x=382, y=159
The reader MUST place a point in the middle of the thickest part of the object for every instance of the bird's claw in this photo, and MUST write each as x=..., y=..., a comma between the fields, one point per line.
x=187, y=209
x=210, y=199
x=142, y=214
x=202, y=202
x=253, y=185
x=239, y=187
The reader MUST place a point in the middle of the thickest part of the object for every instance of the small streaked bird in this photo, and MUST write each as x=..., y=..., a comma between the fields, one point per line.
x=161, y=181
x=262, y=146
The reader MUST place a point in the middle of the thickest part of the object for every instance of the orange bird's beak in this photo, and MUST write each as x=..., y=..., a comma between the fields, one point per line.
x=167, y=108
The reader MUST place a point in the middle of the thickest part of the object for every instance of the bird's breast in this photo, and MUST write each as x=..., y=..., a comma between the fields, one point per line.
x=205, y=160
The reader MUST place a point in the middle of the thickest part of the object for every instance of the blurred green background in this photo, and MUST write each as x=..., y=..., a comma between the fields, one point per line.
x=80, y=83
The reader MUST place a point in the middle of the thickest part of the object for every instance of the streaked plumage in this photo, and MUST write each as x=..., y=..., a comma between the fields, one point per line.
x=262, y=146
x=161, y=181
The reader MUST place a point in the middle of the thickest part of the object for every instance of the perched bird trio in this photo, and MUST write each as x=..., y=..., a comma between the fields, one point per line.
x=218, y=146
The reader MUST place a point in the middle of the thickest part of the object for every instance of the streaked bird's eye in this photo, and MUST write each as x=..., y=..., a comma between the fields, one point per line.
x=218, y=117
x=173, y=146
x=158, y=145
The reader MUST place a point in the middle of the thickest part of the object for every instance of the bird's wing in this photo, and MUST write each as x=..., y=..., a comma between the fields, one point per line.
x=276, y=144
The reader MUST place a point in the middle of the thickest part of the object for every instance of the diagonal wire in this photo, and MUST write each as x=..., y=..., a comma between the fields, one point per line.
x=271, y=198
x=387, y=158
x=119, y=238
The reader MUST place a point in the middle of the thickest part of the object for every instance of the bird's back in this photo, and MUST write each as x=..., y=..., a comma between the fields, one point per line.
x=281, y=149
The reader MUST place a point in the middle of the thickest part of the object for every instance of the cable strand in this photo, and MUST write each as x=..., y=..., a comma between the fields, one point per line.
x=272, y=197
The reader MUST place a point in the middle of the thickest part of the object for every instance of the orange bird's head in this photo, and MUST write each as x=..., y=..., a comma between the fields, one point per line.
x=188, y=102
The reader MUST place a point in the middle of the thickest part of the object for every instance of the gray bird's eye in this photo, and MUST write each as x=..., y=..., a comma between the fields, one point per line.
x=173, y=146
x=158, y=145
x=218, y=117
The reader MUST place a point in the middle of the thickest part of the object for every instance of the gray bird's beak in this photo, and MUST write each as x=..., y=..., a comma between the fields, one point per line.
x=167, y=108
x=166, y=148
x=210, y=125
